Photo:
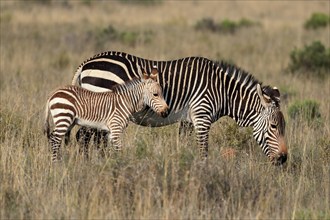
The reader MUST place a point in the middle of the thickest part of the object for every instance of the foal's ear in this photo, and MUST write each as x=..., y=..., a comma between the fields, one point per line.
x=154, y=73
x=264, y=98
x=145, y=75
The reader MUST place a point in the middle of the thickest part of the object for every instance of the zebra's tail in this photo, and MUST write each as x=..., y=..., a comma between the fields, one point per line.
x=76, y=77
x=46, y=125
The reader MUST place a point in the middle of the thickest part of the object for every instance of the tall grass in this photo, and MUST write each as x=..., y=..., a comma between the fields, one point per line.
x=159, y=174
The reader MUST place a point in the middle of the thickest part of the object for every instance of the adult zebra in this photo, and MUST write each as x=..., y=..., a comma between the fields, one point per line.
x=198, y=91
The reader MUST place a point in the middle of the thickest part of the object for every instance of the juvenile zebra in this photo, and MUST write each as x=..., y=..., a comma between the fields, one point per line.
x=109, y=111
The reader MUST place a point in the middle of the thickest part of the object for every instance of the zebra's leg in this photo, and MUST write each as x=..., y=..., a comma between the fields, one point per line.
x=202, y=126
x=101, y=138
x=115, y=137
x=186, y=128
x=67, y=135
x=55, y=140
x=83, y=137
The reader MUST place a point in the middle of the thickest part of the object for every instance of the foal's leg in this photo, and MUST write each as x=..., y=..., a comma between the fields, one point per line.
x=116, y=132
x=55, y=139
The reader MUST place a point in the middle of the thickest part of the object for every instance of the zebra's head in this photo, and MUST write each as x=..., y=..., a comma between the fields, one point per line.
x=269, y=127
x=153, y=93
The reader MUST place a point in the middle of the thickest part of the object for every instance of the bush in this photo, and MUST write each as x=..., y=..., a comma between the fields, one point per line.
x=130, y=38
x=226, y=26
x=314, y=57
x=141, y=2
x=317, y=20
x=206, y=24
x=307, y=110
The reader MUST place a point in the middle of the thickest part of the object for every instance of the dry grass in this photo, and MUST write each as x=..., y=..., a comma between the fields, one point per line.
x=159, y=174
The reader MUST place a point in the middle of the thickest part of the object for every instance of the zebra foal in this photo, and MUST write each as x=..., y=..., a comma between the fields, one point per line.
x=108, y=111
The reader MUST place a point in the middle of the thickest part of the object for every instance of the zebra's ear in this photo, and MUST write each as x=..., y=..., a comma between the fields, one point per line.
x=265, y=99
x=145, y=75
x=154, y=73
x=277, y=94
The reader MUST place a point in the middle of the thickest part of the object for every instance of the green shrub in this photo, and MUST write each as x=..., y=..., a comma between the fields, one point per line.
x=226, y=26
x=206, y=24
x=314, y=58
x=141, y=2
x=307, y=110
x=86, y=2
x=130, y=38
x=317, y=20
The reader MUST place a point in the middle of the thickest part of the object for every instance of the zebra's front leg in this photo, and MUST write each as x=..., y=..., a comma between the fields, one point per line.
x=116, y=141
x=101, y=137
x=202, y=127
x=83, y=137
x=116, y=132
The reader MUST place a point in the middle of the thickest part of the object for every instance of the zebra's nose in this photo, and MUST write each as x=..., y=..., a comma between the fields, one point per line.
x=164, y=113
x=282, y=158
x=283, y=151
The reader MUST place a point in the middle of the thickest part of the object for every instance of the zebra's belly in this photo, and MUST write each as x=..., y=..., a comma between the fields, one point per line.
x=93, y=124
x=150, y=118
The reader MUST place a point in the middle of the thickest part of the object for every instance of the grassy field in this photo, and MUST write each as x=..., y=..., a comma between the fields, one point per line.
x=159, y=175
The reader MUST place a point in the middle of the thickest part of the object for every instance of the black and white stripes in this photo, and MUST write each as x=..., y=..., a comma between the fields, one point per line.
x=198, y=91
x=108, y=111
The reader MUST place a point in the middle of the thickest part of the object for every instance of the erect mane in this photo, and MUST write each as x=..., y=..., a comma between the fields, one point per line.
x=241, y=76
x=118, y=88
x=247, y=80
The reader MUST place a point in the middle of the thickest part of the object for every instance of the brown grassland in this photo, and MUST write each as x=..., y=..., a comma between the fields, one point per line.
x=159, y=175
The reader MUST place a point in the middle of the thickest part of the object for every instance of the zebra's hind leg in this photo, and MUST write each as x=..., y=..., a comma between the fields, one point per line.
x=67, y=134
x=55, y=142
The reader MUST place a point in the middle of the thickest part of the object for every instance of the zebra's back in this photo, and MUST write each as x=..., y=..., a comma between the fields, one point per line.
x=101, y=72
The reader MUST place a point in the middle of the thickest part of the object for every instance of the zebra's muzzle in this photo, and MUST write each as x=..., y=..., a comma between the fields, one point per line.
x=164, y=113
x=281, y=159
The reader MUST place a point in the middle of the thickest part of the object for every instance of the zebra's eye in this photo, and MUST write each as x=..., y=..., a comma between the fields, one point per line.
x=273, y=126
x=155, y=94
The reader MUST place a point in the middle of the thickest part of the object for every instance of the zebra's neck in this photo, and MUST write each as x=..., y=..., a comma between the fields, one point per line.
x=131, y=94
x=242, y=101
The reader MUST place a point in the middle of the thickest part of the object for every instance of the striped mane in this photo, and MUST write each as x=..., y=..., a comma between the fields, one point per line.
x=241, y=76
x=247, y=80
x=130, y=84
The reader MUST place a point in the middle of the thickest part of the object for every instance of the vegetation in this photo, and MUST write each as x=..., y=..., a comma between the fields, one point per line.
x=127, y=37
x=307, y=110
x=226, y=26
x=314, y=59
x=317, y=20
x=159, y=175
